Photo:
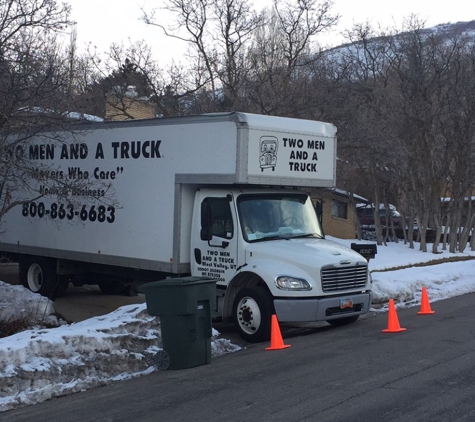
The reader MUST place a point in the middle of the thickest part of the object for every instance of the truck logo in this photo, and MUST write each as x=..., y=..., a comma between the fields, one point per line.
x=268, y=152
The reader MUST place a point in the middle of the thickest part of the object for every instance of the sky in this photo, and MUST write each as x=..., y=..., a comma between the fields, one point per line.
x=43, y=363
x=101, y=22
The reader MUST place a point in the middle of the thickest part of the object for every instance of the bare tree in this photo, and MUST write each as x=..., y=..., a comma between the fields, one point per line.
x=217, y=33
x=35, y=88
x=457, y=125
x=192, y=17
x=438, y=124
x=235, y=49
x=409, y=110
x=363, y=117
x=299, y=23
x=237, y=23
x=287, y=76
x=173, y=91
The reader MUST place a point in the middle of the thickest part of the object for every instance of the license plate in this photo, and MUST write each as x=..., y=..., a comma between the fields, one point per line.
x=346, y=303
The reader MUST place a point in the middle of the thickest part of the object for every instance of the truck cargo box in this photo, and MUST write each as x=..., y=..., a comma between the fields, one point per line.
x=134, y=208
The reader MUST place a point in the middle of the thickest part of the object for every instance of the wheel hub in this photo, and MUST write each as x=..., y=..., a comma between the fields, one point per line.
x=246, y=315
x=35, y=278
x=249, y=315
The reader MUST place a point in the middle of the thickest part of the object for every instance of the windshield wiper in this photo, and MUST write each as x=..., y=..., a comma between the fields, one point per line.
x=312, y=235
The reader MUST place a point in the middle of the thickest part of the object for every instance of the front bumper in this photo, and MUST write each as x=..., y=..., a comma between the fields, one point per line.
x=321, y=309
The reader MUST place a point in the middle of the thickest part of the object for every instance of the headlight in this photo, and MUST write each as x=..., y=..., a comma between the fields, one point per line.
x=291, y=283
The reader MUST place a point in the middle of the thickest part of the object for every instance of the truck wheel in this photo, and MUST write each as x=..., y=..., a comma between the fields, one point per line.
x=39, y=275
x=343, y=321
x=252, y=310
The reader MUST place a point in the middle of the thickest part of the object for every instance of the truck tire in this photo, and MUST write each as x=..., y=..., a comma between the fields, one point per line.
x=39, y=275
x=343, y=321
x=252, y=310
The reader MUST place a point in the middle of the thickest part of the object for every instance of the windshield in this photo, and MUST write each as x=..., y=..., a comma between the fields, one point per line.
x=271, y=216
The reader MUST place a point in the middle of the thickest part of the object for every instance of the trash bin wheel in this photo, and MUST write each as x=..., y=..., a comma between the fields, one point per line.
x=162, y=360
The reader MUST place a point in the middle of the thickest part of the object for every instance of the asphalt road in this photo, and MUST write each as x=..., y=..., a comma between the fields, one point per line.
x=354, y=373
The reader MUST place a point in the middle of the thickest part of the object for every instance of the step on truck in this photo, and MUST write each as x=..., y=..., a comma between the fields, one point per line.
x=221, y=196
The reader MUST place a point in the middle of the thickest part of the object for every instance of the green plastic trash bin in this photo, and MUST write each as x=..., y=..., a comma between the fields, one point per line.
x=184, y=306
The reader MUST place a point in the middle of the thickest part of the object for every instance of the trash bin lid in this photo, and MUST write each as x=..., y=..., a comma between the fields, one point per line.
x=180, y=281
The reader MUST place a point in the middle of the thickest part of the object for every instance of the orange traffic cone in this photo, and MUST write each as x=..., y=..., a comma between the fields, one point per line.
x=425, y=305
x=393, y=321
x=276, y=342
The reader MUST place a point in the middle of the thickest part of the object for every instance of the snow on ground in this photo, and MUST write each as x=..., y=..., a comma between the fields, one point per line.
x=42, y=363
x=404, y=285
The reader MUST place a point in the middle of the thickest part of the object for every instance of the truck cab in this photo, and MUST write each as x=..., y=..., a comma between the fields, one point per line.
x=238, y=237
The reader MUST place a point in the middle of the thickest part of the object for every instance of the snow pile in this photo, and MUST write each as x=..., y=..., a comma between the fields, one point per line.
x=404, y=285
x=18, y=302
x=43, y=363
x=40, y=364
x=442, y=281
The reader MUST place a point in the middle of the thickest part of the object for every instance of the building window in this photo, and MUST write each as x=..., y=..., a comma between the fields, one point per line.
x=339, y=209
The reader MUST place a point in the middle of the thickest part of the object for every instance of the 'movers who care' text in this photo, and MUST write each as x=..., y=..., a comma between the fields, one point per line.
x=80, y=151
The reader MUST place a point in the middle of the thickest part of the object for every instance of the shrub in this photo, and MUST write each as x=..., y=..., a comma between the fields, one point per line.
x=13, y=325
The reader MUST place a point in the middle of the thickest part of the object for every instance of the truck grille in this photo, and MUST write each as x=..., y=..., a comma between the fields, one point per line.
x=335, y=279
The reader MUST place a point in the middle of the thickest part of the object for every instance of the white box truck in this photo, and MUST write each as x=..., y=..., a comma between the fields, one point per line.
x=211, y=196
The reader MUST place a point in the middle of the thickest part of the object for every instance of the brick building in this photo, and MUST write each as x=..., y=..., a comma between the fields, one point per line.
x=128, y=106
x=337, y=210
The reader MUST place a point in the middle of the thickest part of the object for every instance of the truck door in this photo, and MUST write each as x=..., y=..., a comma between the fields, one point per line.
x=214, y=250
